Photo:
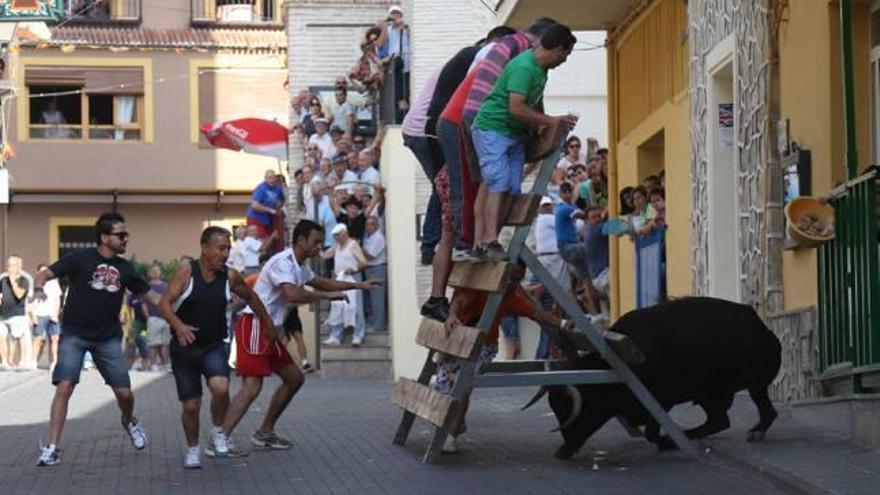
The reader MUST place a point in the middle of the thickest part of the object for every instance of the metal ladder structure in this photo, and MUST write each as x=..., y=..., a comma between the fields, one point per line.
x=416, y=397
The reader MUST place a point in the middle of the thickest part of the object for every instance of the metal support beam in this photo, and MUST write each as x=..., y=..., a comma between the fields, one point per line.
x=582, y=377
x=849, y=102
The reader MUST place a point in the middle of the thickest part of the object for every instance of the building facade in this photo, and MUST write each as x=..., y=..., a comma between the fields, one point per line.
x=107, y=113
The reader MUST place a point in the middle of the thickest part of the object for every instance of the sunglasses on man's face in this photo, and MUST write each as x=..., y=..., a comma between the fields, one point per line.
x=120, y=235
x=360, y=142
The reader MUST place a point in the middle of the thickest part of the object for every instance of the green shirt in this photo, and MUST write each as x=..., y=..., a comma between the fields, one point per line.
x=523, y=76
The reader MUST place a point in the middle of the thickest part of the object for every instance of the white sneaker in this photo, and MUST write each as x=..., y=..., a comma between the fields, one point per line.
x=356, y=342
x=137, y=434
x=48, y=456
x=450, y=445
x=332, y=341
x=220, y=442
x=192, y=459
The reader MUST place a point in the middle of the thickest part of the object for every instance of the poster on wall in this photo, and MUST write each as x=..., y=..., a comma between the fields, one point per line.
x=725, y=125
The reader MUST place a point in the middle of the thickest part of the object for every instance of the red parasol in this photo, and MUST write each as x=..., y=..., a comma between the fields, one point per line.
x=256, y=136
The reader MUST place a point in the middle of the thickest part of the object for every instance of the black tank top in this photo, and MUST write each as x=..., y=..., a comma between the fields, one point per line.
x=203, y=305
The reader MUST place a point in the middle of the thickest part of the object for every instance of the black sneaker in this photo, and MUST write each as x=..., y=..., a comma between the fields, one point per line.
x=478, y=253
x=436, y=308
x=427, y=258
x=494, y=251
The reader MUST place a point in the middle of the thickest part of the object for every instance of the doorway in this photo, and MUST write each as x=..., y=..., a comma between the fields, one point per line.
x=722, y=224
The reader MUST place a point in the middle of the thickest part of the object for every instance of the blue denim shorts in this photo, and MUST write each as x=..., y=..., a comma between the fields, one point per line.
x=190, y=363
x=107, y=355
x=501, y=161
x=45, y=327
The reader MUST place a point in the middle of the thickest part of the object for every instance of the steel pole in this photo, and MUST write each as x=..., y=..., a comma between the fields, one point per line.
x=849, y=106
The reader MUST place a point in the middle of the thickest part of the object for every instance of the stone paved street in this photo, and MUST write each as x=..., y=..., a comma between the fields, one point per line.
x=342, y=432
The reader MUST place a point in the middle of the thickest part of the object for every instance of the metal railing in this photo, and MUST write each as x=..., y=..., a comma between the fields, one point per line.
x=849, y=284
x=101, y=11
x=236, y=12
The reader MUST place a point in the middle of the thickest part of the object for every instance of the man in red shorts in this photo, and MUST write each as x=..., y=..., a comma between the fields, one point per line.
x=281, y=283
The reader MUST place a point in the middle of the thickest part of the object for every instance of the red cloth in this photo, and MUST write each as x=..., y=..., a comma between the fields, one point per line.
x=516, y=303
x=254, y=355
x=454, y=110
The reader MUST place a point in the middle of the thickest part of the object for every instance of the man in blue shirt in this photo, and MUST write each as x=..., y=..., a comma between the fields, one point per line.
x=265, y=201
x=570, y=249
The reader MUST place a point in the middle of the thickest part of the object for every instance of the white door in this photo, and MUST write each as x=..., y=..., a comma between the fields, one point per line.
x=722, y=221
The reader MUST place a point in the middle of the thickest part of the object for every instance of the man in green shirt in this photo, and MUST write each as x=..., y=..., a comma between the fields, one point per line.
x=511, y=109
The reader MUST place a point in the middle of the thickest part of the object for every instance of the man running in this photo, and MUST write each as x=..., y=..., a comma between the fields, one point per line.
x=194, y=305
x=281, y=283
x=98, y=278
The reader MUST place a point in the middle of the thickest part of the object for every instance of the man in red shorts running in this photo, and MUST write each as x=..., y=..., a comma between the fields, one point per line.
x=281, y=283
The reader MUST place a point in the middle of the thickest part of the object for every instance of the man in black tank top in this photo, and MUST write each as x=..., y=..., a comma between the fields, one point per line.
x=195, y=307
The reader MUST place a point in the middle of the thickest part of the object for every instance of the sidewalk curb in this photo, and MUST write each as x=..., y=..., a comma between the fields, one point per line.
x=780, y=477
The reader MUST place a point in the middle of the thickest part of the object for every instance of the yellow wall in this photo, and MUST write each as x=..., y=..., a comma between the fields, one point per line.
x=648, y=95
x=672, y=118
x=810, y=97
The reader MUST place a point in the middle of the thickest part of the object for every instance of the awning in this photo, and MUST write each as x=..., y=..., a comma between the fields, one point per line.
x=579, y=15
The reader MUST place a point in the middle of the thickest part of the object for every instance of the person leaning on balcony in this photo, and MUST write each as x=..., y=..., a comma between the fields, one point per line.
x=265, y=201
x=394, y=42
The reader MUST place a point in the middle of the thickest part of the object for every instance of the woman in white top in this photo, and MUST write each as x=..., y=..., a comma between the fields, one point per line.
x=348, y=261
x=573, y=155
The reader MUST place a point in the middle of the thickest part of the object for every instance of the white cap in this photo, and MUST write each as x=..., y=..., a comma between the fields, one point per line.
x=546, y=200
x=395, y=8
x=339, y=228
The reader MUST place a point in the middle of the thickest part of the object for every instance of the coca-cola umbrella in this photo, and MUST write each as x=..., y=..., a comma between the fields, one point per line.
x=256, y=136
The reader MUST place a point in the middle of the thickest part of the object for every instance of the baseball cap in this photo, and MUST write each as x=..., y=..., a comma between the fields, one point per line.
x=339, y=228
x=395, y=8
x=546, y=200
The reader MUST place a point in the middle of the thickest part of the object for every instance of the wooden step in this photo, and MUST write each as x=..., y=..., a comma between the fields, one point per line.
x=523, y=210
x=424, y=402
x=489, y=276
x=462, y=342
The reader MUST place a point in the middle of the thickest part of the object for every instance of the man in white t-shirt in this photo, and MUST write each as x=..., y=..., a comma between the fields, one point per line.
x=281, y=283
x=45, y=314
x=322, y=139
x=251, y=250
x=236, y=253
x=366, y=172
x=545, y=242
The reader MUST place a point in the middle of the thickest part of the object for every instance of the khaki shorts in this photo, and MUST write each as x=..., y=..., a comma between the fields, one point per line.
x=158, y=332
x=15, y=327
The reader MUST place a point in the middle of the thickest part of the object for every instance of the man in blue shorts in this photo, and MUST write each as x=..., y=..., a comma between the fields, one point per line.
x=98, y=278
x=514, y=105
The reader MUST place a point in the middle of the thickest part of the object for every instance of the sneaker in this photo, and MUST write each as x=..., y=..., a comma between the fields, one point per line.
x=137, y=434
x=436, y=308
x=478, y=253
x=459, y=254
x=233, y=450
x=49, y=456
x=219, y=442
x=450, y=445
x=494, y=251
x=269, y=441
x=356, y=342
x=307, y=367
x=332, y=341
x=427, y=258
x=192, y=459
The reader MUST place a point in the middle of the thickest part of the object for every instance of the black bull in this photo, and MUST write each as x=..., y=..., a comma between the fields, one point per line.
x=699, y=350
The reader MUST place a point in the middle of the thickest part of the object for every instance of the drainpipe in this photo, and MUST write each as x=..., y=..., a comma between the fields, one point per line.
x=849, y=112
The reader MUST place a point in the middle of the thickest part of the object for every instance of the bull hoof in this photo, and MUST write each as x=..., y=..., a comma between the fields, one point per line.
x=756, y=436
x=564, y=453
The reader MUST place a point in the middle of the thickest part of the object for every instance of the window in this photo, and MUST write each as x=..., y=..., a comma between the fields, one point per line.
x=73, y=103
x=230, y=94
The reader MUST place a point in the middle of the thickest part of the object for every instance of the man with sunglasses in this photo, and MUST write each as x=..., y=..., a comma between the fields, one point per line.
x=98, y=278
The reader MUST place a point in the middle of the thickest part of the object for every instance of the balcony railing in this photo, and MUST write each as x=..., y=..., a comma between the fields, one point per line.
x=237, y=12
x=102, y=11
x=849, y=284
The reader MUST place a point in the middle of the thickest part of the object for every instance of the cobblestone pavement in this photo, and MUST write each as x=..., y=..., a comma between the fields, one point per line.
x=342, y=435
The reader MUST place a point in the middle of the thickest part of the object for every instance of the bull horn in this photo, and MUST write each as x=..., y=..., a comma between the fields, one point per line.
x=541, y=392
x=577, y=404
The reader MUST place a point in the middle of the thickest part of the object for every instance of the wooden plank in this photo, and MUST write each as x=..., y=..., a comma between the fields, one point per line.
x=489, y=276
x=425, y=403
x=461, y=342
x=523, y=209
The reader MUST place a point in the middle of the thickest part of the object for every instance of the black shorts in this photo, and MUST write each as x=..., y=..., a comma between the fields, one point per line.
x=190, y=363
x=292, y=323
